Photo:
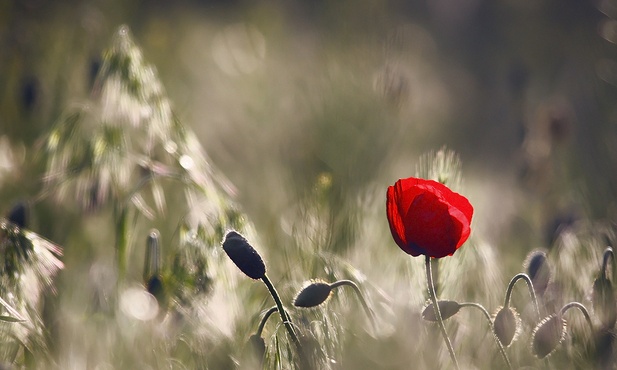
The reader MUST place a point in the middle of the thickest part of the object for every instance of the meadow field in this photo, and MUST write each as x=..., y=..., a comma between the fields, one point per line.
x=346, y=184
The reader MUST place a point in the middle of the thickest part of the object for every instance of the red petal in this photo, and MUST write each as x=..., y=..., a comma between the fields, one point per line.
x=394, y=217
x=430, y=226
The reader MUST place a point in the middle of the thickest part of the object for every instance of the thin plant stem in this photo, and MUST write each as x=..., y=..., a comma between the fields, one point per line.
x=532, y=293
x=282, y=312
x=490, y=321
x=355, y=287
x=121, y=239
x=580, y=308
x=608, y=256
x=433, y=297
x=264, y=319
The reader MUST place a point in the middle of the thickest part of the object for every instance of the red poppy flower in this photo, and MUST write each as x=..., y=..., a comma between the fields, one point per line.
x=428, y=218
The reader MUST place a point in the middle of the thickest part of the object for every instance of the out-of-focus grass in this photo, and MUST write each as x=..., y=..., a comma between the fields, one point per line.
x=310, y=111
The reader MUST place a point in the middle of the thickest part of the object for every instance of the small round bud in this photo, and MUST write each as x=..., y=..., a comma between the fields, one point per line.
x=313, y=294
x=244, y=255
x=538, y=270
x=547, y=335
x=506, y=324
x=446, y=308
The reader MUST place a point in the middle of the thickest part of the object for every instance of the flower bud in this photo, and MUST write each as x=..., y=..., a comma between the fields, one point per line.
x=538, y=270
x=446, y=308
x=258, y=346
x=547, y=335
x=506, y=325
x=603, y=300
x=18, y=215
x=314, y=294
x=244, y=255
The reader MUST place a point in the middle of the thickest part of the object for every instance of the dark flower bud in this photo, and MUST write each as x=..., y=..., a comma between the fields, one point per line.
x=313, y=294
x=244, y=255
x=446, y=308
x=538, y=270
x=258, y=346
x=18, y=215
x=603, y=300
x=547, y=335
x=506, y=325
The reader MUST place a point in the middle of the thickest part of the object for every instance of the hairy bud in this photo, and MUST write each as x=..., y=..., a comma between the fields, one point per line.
x=446, y=308
x=313, y=294
x=244, y=255
x=506, y=325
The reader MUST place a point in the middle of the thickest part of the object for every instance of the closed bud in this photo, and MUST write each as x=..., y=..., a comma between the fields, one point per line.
x=258, y=346
x=18, y=215
x=538, y=270
x=547, y=335
x=244, y=255
x=506, y=324
x=446, y=308
x=313, y=294
x=603, y=299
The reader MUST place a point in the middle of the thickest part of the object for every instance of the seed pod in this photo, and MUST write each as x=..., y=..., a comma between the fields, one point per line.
x=538, y=270
x=314, y=294
x=244, y=255
x=603, y=299
x=506, y=324
x=446, y=308
x=547, y=335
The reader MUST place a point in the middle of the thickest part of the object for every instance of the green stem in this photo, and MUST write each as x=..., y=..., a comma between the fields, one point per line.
x=490, y=321
x=269, y=313
x=580, y=308
x=282, y=312
x=121, y=240
x=355, y=287
x=431, y=293
x=532, y=293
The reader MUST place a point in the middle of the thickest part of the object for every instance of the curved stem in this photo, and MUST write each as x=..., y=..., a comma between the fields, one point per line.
x=282, y=312
x=490, y=322
x=532, y=293
x=608, y=256
x=580, y=308
x=262, y=323
x=431, y=293
x=355, y=287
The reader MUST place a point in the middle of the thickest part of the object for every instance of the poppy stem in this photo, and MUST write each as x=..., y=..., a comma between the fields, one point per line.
x=355, y=287
x=606, y=258
x=532, y=293
x=282, y=312
x=267, y=315
x=581, y=308
x=492, y=325
x=433, y=297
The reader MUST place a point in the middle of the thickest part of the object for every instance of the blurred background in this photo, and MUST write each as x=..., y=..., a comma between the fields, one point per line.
x=282, y=92
x=323, y=104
